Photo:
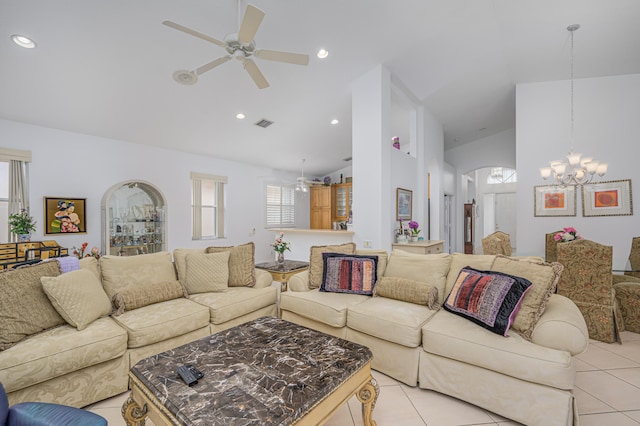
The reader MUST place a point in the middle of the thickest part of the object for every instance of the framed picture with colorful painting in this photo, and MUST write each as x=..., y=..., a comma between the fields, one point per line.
x=612, y=198
x=554, y=200
x=64, y=216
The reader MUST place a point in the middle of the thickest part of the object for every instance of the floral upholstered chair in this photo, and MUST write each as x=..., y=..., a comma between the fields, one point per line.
x=497, y=243
x=550, y=249
x=587, y=279
x=627, y=289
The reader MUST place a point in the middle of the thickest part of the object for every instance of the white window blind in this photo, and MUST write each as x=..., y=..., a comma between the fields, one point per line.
x=207, y=204
x=280, y=206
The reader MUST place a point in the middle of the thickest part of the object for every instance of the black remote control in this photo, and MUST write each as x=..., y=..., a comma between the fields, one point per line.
x=189, y=374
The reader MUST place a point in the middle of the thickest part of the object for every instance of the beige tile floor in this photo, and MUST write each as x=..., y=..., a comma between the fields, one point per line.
x=607, y=391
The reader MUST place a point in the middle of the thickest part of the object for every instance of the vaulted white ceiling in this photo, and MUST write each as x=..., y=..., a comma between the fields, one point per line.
x=105, y=68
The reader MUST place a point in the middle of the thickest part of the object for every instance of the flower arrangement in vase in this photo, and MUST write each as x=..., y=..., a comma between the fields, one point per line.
x=280, y=246
x=80, y=252
x=567, y=234
x=22, y=224
x=414, y=227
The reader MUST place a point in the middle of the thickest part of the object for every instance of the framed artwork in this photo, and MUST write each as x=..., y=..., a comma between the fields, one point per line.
x=65, y=216
x=612, y=198
x=554, y=200
x=404, y=204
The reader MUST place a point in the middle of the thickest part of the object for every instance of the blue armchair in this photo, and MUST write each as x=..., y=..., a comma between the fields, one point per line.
x=44, y=414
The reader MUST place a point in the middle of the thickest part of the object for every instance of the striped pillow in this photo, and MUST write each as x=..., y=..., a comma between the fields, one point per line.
x=349, y=273
x=490, y=299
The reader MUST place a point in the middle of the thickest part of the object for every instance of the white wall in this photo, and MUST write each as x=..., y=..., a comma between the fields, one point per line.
x=74, y=165
x=606, y=127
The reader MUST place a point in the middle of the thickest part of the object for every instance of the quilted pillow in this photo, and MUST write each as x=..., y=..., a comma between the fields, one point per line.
x=316, y=263
x=418, y=292
x=78, y=296
x=207, y=272
x=241, y=264
x=24, y=307
x=543, y=276
x=140, y=295
x=349, y=273
x=490, y=299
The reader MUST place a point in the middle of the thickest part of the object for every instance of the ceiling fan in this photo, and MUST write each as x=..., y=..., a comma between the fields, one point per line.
x=238, y=45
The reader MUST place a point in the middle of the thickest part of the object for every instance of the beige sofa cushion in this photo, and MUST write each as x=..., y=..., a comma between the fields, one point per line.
x=391, y=320
x=90, y=264
x=455, y=337
x=316, y=263
x=241, y=264
x=25, y=309
x=180, y=261
x=429, y=268
x=135, y=297
x=119, y=272
x=544, y=279
x=61, y=350
x=481, y=262
x=411, y=291
x=235, y=302
x=328, y=308
x=162, y=321
x=78, y=296
x=383, y=256
x=207, y=272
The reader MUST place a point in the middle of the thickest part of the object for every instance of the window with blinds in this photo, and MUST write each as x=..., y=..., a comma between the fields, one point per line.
x=280, y=206
x=207, y=204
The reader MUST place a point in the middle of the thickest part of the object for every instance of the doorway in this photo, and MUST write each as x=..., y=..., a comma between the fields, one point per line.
x=500, y=214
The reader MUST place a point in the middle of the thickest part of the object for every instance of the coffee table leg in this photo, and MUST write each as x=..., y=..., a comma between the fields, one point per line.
x=368, y=395
x=132, y=413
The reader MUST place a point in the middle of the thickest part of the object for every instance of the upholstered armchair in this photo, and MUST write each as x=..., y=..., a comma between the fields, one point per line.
x=627, y=288
x=497, y=243
x=587, y=279
x=550, y=250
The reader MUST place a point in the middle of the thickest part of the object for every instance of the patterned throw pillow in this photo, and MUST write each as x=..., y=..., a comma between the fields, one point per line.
x=418, y=292
x=242, y=270
x=490, y=299
x=135, y=297
x=78, y=296
x=349, y=273
x=316, y=263
x=207, y=272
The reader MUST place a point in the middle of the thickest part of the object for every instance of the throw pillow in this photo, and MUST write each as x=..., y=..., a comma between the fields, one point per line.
x=180, y=261
x=490, y=299
x=207, y=272
x=146, y=294
x=78, y=296
x=349, y=273
x=543, y=276
x=316, y=263
x=427, y=268
x=120, y=272
x=411, y=291
x=383, y=255
x=24, y=307
x=68, y=263
x=241, y=264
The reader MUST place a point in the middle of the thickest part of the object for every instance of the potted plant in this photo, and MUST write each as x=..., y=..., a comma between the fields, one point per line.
x=415, y=230
x=22, y=224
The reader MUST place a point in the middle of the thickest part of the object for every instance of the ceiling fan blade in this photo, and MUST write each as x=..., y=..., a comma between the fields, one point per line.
x=288, y=57
x=194, y=33
x=255, y=74
x=211, y=65
x=250, y=23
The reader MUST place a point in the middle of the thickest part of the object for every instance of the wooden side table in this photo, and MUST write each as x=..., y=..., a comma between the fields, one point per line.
x=283, y=272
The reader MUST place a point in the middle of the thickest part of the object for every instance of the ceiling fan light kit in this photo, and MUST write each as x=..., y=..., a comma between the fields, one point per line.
x=240, y=45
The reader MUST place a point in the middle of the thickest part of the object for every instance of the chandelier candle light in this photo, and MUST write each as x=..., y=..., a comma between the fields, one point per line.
x=578, y=170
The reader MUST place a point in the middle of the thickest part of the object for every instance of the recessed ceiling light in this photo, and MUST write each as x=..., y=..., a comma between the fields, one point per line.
x=334, y=121
x=23, y=41
x=240, y=116
x=323, y=53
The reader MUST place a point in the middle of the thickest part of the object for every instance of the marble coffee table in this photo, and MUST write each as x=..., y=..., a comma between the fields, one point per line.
x=264, y=372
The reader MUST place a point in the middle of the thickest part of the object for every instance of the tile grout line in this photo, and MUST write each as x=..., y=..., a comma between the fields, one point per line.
x=413, y=405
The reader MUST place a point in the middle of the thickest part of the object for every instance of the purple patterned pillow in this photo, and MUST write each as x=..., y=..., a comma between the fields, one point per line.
x=490, y=299
x=349, y=273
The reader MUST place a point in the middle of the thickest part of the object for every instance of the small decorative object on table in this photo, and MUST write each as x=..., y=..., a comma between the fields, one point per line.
x=327, y=180
x=567, y=234
x=415, y=230
x=80, y=252
x=279, y=246
x=22, y=224
x=396, y=142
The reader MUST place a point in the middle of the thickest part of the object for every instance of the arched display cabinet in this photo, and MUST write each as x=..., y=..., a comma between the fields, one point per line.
x=134, y=219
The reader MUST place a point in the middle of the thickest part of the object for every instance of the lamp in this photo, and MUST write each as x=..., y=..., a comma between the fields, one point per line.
x=577, y=170
x=300, y=183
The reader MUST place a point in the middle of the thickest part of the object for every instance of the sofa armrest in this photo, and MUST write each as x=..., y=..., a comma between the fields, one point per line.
x=618, y=278
x=263, y=278
x=562, y=327
x=299, y=281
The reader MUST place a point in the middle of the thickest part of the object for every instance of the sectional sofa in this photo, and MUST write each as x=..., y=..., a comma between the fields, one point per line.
x=79, y=332
x=527, y=376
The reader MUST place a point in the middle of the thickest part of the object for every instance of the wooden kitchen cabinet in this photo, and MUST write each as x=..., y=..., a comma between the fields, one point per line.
x=342, y=197
x=320, y=207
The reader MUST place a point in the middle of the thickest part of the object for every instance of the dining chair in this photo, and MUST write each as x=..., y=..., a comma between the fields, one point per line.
x=587, y=279
x=497, y=243
x=550, y=250
x=627, y=288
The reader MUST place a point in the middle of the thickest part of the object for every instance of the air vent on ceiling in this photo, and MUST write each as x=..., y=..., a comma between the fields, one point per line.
x=264, y=123
x=347, y=159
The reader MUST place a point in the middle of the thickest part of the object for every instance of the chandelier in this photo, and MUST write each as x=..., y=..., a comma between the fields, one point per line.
x=577, y=170
x=301, y=184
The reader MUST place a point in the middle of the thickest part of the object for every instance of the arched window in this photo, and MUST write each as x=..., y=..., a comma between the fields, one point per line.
x=502, y=175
